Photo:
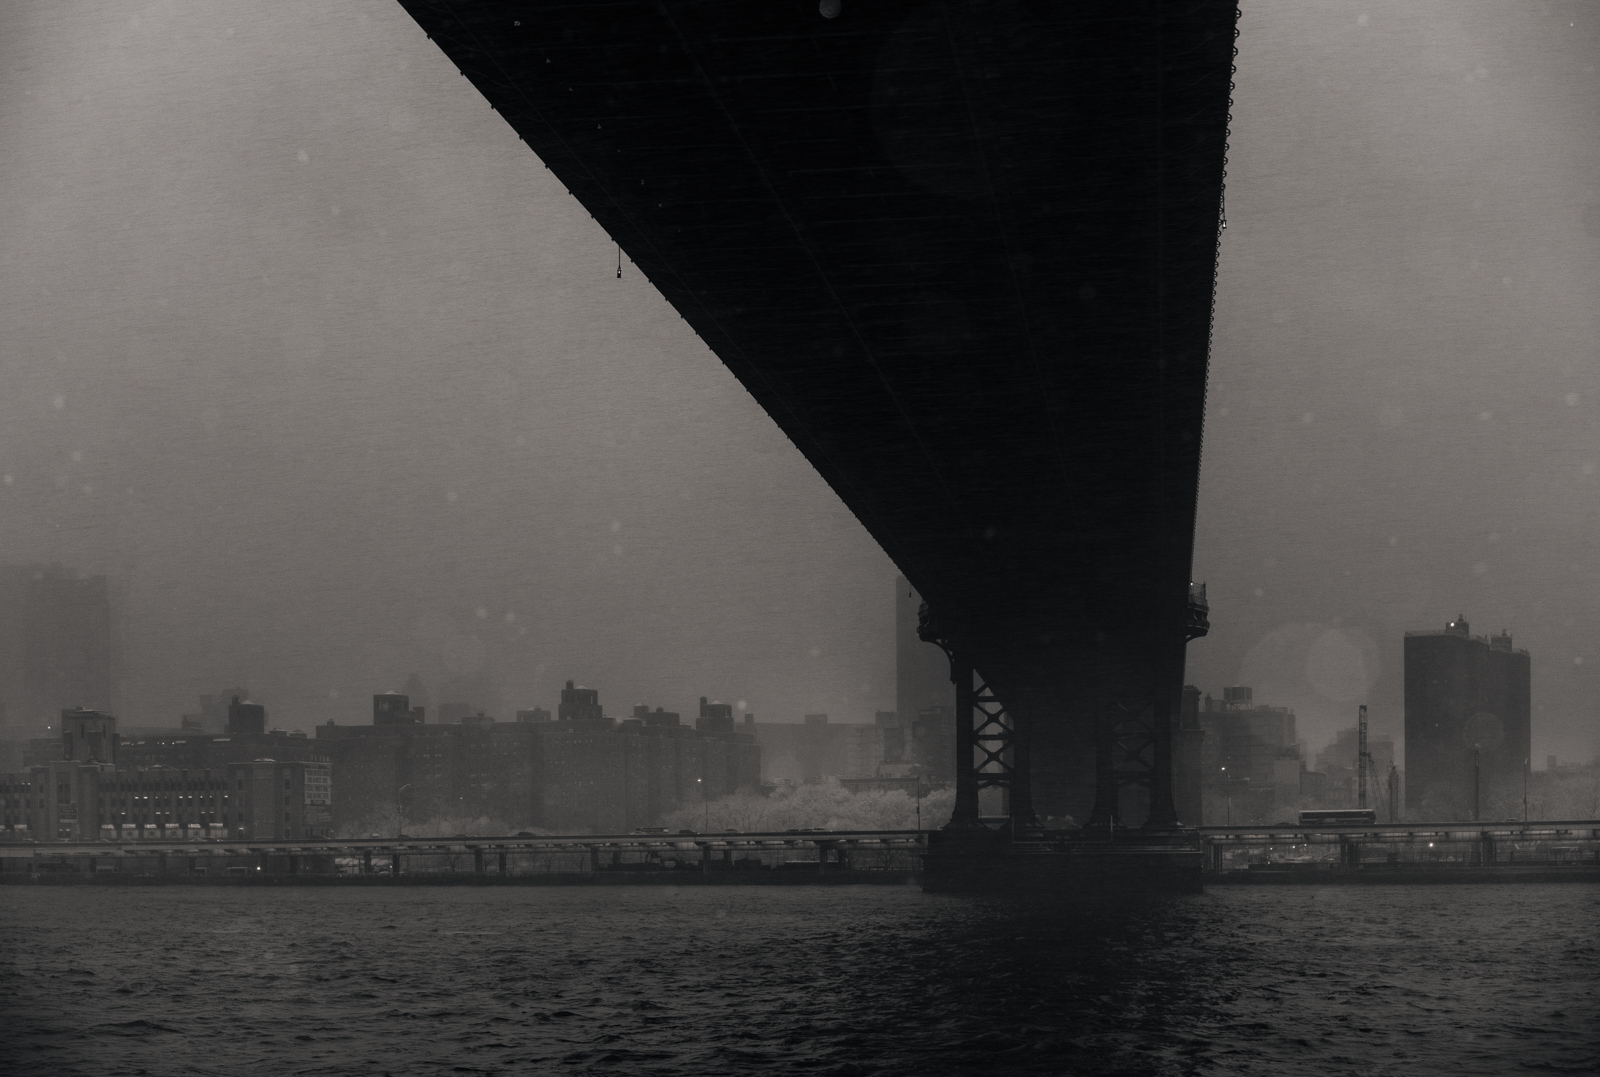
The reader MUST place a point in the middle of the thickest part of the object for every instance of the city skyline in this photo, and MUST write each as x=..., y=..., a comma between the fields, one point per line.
x=375, y=386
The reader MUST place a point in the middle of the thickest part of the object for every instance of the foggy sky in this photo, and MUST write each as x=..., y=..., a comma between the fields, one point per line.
x=303, y=343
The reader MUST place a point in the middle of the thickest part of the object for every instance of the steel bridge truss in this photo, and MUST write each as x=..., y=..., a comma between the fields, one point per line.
x=991, y=743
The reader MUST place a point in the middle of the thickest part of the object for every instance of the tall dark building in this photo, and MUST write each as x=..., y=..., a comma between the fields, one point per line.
x=392, y=708
x=246, y=718
x=57, y=643
x=714, y=717
x=214, y=709
x=88, y=737
x=1466, y=695
x=579, y=705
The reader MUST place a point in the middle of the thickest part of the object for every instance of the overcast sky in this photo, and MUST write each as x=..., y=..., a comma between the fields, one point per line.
x=301, y=342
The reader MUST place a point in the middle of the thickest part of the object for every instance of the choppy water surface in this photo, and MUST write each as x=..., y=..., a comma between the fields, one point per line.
x=849, y=980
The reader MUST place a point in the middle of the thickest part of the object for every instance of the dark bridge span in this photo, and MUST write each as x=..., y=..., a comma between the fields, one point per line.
x=963, y=254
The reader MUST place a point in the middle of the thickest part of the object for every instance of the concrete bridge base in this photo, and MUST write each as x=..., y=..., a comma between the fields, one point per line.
x=986, y=861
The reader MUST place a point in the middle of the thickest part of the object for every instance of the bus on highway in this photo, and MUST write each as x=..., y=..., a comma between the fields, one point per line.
x=1339, y=817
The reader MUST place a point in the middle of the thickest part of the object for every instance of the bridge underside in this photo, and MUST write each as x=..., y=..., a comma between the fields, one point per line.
x=962, y=253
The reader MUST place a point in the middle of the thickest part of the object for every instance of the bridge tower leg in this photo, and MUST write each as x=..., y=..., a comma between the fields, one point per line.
x=1103, y=819
x=1163, y=808
x=966, y=806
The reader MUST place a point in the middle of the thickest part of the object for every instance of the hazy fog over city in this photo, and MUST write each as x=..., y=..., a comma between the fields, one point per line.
x=303, y=346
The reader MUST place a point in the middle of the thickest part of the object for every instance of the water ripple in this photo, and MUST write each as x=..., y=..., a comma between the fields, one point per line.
x=844, y=981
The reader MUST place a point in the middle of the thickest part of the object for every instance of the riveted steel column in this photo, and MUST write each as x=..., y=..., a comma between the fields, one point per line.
x=966, y=806
x=1103, y=817
x=1163, y=808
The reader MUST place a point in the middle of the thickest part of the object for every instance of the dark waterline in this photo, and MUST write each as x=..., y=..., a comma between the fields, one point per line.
x=857, y=980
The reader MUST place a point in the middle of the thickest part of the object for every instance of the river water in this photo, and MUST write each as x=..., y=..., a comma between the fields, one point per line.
x=840, y=980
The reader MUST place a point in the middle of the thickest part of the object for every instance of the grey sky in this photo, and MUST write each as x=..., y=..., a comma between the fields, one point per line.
x=346, y=366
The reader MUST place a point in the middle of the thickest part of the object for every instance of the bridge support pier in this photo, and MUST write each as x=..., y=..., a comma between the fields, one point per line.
x=504, y=870
x=965, y=813
x=1103, y=818
x=991, y=746
x=992, y=861
x=394, y=866
x=1163, y=807
x=366, y=861
x=477, y=862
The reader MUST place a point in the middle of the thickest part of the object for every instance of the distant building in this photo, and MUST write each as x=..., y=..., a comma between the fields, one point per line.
x=392, y=708
x=58, y=643
x=580, y=704
x=88, y=736
x=892, y=746
x=82, y=797
x=814, y=745
x=658, y=718
x=279, y=800
x=580, y=772
x=463, y=695
x=933, y=743
x=714, y=717
x=814, y=750
x=453, y=713
x=1251, y=760
x=246, y=718
x=213, y=716
x=1339, y=786
x=1466, y=697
